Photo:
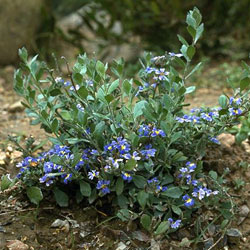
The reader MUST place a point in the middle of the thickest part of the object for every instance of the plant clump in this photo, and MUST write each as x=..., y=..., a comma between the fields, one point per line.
x=129, y=143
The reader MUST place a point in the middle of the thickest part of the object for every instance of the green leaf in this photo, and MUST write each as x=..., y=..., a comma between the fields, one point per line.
x=130, y=164
x=213, y=175
x=146, y=221
x=197, y=67
x=182, y=40
x=62, y=198
x=55, y=92
x=5, y=182
x=176, y=210
x=35, y=194
x=55, y=125
x=244, y=83
x=79, y=196
x=142, y=198
x=119, y=186
x=85, y=188
x=191, y=31
x=100, y=68
x=199, y=32
x=126, y=87
x=66, y=115
x=77, y=77
x=190, y=51
x=223, y=101
x=23, y=54
x=190, y=89
x=138, y=109
x=190, y=20
x=139, y=181
x=162, y=228
x=114, y=85
x=173, y=192
x=83, y=92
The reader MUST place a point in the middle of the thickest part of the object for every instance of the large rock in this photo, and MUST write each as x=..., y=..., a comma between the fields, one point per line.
x=19, y=21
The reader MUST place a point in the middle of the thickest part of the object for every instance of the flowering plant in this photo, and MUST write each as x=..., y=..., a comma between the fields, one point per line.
x=128, y=142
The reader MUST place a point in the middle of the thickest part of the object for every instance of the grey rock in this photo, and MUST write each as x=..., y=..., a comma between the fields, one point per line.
x=19, y=21
x=121, y=246
x=233, y=235
x=16, y=107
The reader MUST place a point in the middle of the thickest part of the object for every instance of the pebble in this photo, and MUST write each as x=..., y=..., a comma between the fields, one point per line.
x=234, y=235
x=16, y=107
x=121, y=246
x=16, y=245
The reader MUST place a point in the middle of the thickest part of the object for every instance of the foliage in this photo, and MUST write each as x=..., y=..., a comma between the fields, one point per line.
x=113, y=23
x=128, y=142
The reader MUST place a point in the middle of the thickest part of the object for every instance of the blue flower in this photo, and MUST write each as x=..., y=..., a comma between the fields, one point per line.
x=90, y=83
x=153, y=181
x=103, y=186
x=202, y=192
x=174, y=224
x=214, y=140
x=67, y=178
x=77, y=87
x=171, y=54
x=67, y=84
x=149, y=70
x=127, y=177
x=59, y=80
x=156, y=132
x=232, y=100
x=161, y=74
x=148, y=153
x=144, y=130
x=93, y=174
x=79, y=106
x=188, y=201
x=161, y=188
x=206, y=117
x=233, y=111
x=191, y=166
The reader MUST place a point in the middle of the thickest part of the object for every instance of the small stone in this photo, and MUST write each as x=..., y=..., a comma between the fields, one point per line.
x=121, y=246
x=2, y=230
x=244, y=211
x=83, y=234
x=16, y=107
x=208, y=243
x=154, y=245
x=16, y=245
x=234, y=235
x=58, y=223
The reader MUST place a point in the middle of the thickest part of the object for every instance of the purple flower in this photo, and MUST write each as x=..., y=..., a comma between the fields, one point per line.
x=148, y=153
x=144, y=130
x=126, y=177
x=161, y=74
x=171, y=54
x=174, y=224
x=149, y=70
x=59, y=80
x=79, y=106
x=233, y=111
x=153, y=181
x=103, y=186
x=214, y=140
x=161, y=188
x=191, y=166
x=206, y=117
x=156, y=132
x=67, y=178
x=232, y=100
x=93, y=174
x=188, y=201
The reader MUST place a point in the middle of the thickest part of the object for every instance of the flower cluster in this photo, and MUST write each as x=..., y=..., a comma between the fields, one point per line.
x=150, y=131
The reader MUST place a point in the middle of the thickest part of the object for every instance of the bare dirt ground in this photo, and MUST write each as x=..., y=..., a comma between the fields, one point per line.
x=22, y=226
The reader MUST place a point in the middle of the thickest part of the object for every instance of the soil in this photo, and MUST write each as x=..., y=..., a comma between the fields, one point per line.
x=80, y=226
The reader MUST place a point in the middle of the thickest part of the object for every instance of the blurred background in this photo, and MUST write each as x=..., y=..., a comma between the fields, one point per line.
x=121, y=28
